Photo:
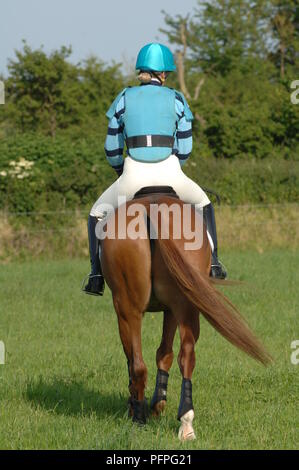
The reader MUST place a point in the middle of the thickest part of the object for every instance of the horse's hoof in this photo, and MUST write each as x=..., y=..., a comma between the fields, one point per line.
x=186, y=435
x=158, y=408
x=186, y=431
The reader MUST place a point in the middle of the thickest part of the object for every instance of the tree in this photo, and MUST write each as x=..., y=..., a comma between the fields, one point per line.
x=226, y=71
x=47, y=93
x=100, y=85
x=41, y=90
x=285, y=31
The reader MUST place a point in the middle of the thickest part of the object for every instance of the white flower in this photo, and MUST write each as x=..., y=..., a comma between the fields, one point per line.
x=19, y=167
x=3, y=173
x=15, y=171
x=25, y=163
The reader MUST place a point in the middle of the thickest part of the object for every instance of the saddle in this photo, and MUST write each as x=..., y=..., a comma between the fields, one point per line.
x=149, y=190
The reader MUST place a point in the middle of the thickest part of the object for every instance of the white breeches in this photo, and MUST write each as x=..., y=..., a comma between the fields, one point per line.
x=137, y=175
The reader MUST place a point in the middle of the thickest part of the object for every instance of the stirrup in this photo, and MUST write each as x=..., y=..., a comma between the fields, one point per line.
x=221, y=271
x=85, y=284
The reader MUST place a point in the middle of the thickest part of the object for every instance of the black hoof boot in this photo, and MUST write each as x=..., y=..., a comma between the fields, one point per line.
x=140, y=411
x=186, y=403
x=160, y=393
x=95, y=285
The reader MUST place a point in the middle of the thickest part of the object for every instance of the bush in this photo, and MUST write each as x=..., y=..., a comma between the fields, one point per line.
x=38, y=173
x=247, y=181
x=64, y=172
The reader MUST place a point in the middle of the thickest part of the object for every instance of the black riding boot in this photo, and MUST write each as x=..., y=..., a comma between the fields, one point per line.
x=217, y=269
x=96, y=284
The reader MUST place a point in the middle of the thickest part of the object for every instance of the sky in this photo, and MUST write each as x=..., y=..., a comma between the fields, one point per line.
x=110, y=29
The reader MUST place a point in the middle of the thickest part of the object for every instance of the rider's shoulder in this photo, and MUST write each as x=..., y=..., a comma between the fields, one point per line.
x=181, y=100
x=112, y=110
x=179, y=96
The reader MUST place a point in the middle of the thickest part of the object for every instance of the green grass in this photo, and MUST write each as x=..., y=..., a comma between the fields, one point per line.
x=64, y=384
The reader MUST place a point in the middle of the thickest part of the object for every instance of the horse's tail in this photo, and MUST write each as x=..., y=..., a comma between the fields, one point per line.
x=215, y=307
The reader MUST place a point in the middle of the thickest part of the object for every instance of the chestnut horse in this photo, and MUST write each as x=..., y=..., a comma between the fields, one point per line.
x=161, y=275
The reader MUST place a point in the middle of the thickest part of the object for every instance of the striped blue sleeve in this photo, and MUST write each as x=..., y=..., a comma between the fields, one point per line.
x=183, y=137
x=114, y=144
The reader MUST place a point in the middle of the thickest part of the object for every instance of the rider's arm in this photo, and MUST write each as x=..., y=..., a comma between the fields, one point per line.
x=114, y=144
x=183, y=138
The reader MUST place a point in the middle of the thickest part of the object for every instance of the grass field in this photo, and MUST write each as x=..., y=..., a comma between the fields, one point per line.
x=64, y=384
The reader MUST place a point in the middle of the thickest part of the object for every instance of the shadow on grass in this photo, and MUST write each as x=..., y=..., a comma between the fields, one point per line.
x=72, y=398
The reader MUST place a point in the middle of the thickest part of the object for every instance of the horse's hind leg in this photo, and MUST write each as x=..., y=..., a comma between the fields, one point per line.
x=127, y=269
x=164, y=359
x=129, y=322
x=188, y=319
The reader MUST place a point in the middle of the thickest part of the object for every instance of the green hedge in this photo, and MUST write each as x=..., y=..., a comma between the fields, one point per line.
x=68, y=173
x=248, y=181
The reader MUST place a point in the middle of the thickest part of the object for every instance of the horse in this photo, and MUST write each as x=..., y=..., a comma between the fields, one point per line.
x=158, y=274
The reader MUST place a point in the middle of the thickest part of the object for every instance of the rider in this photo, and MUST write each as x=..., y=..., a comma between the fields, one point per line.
x=156, y=123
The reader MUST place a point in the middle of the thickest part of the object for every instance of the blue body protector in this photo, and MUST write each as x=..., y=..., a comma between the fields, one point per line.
x=149, y=111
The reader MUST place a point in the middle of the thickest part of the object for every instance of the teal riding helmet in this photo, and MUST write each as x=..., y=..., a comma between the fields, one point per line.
x=155, y=57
